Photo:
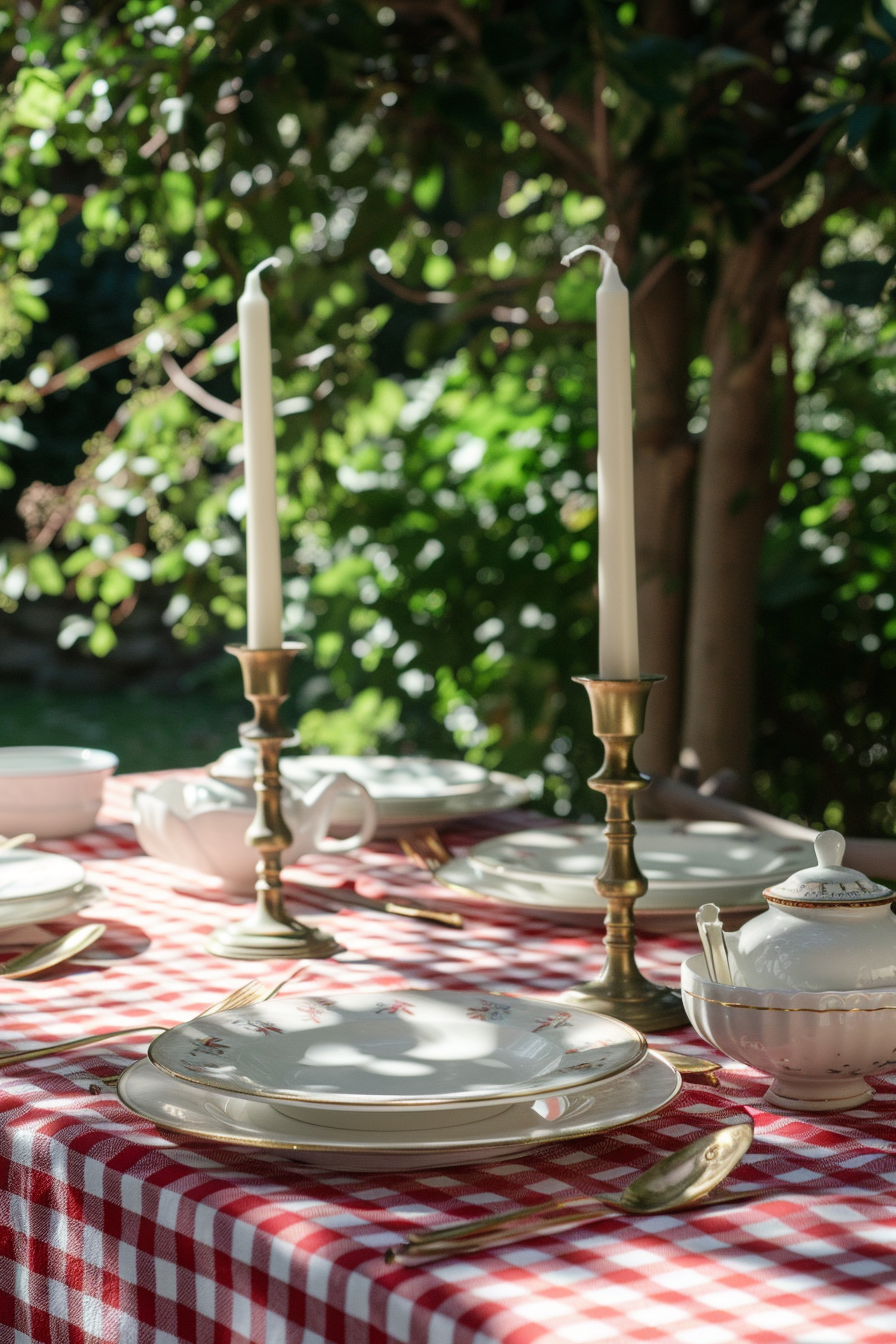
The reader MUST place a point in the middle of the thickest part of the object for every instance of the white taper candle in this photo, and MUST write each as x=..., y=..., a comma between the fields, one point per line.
x=616, y=568
x=264, y=599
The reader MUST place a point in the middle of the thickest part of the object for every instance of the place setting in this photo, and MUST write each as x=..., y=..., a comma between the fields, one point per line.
x=411, y=1081
x=38, y=888
x=35, y=886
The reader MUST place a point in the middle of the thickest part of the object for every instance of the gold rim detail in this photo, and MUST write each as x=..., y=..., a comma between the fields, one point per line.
x=286, y=1146
x=828, y=905
x=641, y=911
x=771, y=1008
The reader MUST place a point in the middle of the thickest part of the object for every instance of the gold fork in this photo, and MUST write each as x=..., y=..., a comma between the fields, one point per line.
x=432, y=841
x=253, y=992
x=425, y=850
x=418, y=859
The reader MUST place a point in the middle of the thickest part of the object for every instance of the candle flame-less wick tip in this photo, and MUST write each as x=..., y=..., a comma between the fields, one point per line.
x=262, y=265
x=579, y=251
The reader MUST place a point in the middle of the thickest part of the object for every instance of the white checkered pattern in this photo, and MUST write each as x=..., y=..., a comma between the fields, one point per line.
x=110, y=1232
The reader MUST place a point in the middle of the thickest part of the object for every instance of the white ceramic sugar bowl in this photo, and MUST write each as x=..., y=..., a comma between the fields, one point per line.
x=826, y=928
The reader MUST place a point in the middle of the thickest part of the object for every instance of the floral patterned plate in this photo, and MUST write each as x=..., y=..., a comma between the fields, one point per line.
x=409, y=1048
x=194, y=1112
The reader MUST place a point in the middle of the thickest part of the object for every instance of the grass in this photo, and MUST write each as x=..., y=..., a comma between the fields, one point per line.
x=147, y=730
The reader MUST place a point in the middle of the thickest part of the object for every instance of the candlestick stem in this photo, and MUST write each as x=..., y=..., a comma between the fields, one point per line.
x=269, y=932
x=620, y=989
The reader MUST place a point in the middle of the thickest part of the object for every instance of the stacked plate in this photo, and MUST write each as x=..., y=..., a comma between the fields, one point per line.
x=686, y=864
x=35, y=887
x=394, y=1082
x=408, y=790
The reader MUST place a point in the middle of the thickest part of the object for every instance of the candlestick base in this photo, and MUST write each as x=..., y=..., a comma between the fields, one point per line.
x=269, y=932
x=656, y=1009
x=291, y=940
x=620, y=990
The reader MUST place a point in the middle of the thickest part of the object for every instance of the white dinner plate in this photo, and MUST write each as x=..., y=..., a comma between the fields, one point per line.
x=27, y=875
x=685, y=863
x=469, y=885
x=194, y=1112
x=408, y=1048
x=19, y=913
x=394, y=777
x=401, y=777
x=408, y=791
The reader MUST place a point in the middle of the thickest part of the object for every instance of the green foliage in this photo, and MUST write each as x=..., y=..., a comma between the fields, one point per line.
x=37, y=98
x=829, y=583
x=434, y=366
x=360, y=727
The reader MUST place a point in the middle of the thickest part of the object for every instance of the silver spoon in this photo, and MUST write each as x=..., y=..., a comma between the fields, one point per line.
x=675, y=1182
x=42, y=957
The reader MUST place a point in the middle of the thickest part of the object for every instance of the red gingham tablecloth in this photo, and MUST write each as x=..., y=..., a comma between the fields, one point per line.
x=111, y=1232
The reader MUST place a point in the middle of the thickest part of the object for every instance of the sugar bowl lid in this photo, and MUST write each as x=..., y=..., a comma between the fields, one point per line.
x=828, y=883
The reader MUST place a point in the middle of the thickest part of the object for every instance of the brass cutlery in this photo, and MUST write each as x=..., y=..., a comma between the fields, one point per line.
x=425, y=850
x=675, y=1182
x=687, y=1064
x=432, y=842
x=338, y=900
x=416, y=857
x=45, y=955
x=253, y=992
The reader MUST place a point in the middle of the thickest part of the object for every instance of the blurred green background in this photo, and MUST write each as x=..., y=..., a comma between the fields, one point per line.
x=146, y=731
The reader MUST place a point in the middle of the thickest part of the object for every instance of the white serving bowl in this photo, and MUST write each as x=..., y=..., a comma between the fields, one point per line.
x=52, y=791
x=819, y=1046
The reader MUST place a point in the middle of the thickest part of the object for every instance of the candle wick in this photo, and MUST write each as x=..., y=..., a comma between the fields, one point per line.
x=588, y=247
x=262, y=265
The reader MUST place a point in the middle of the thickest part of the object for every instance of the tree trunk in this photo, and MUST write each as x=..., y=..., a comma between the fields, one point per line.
x=732, y=504
x=664, y=461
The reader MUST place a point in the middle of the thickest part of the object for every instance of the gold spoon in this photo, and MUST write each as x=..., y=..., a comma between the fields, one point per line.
x=253, y=992
x=686, y=1064
x=40, y=958
x=675, y=1182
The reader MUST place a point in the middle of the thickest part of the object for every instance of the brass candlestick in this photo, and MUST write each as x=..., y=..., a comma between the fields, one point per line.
x=617, y=710
x=269, y=931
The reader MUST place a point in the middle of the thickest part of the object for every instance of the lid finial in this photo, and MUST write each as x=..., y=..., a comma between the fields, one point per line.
x=830, y=847
x=829, y=884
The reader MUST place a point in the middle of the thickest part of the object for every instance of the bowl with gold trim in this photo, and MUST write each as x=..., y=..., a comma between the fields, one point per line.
x=820, y=1046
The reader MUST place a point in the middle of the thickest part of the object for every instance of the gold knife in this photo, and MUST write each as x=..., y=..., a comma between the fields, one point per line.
x=450, y=918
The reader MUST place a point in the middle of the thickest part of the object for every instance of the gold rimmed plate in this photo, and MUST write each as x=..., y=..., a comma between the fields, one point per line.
x=461, y=879
x=196, y=1113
